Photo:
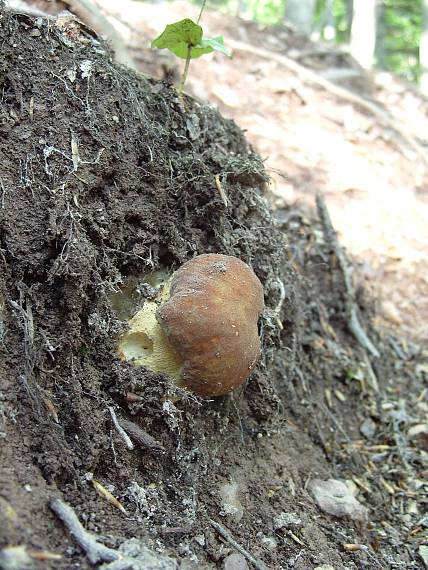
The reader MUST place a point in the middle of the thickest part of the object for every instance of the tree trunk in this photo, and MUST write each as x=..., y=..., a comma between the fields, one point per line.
x=423, y=51
x=241, y=8
x=363, y=32
x=380, y=37
x=300, y=13
x=349, y=12
x=330, y=28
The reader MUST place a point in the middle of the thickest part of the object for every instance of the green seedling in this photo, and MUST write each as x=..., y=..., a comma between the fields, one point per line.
x=184, y=39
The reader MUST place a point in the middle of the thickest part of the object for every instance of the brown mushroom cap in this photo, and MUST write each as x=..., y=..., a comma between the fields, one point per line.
x=211, y=319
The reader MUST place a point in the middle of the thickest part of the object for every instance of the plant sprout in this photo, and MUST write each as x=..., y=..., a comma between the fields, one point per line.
x=184, y=39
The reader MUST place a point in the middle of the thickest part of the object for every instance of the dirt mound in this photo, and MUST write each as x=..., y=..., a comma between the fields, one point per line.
x=106, y=177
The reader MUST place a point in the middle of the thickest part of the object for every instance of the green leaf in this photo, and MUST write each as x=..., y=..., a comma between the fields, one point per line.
x=178, y=37
x=217, y=44
x=195, y=52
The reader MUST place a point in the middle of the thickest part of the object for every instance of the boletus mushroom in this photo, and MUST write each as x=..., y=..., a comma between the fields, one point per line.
x=204, y=331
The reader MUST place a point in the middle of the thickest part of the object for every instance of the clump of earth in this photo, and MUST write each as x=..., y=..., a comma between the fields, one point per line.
x=108, y=178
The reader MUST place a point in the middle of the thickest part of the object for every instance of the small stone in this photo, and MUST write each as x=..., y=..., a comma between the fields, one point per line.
x=391, y=312
x=324, y=567
x=418, y=434
x=287, y=520
x=235, y=561
x=15, y=558
x=412, y=508
x=423, y=553
x=337, y=498
x=230, y=502
x=146, y=558
x=379, y=457
x=368, y=428
x=269, y=542
x=200, y=539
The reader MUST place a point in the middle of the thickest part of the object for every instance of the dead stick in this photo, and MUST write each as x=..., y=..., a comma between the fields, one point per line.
x=95, y=551
x=313, y=77
x=258, y=564
x=139, y=435
x=350, y=305
x=125, y=564
x=90, y=14
x=120, y=430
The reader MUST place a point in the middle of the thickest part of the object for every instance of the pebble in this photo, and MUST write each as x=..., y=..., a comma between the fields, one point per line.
x=230, y=502
x=269, y=542
x=200, y=539
x=423, y=553
x=15, y=558
x=391, y=312
x=235, y=561
x=418, y=434
x=337, y=498
x=287, y=520
x=368, y=428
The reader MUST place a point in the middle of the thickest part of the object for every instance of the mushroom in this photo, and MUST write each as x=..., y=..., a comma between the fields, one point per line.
x=204, y=332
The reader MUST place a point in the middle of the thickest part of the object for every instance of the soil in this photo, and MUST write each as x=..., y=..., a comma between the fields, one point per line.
x=106, y=176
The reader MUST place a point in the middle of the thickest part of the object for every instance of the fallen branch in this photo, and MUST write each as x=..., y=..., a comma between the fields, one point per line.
x=140, y=436
x=313, y=77
x=258, y=564
x=95, y=551
x=132, y=554
x=89, y=13
x=91, y=16
x=350, y=304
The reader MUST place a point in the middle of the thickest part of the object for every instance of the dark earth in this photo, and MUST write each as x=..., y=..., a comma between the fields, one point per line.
x=106, y=176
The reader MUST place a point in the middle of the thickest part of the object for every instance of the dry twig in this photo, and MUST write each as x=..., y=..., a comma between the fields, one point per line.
x=90, y=13
x=105, y=494
x=140, y=436
x=258, y=564
x=95, y=551
x=120, y=429
x=350, y=304
x=313, y=77
x=221, y=190
x=130, y=558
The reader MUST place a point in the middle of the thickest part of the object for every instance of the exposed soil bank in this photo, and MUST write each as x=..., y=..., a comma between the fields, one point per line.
x=107, y=176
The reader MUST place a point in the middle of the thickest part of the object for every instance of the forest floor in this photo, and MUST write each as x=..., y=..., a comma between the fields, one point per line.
x=234, y=482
